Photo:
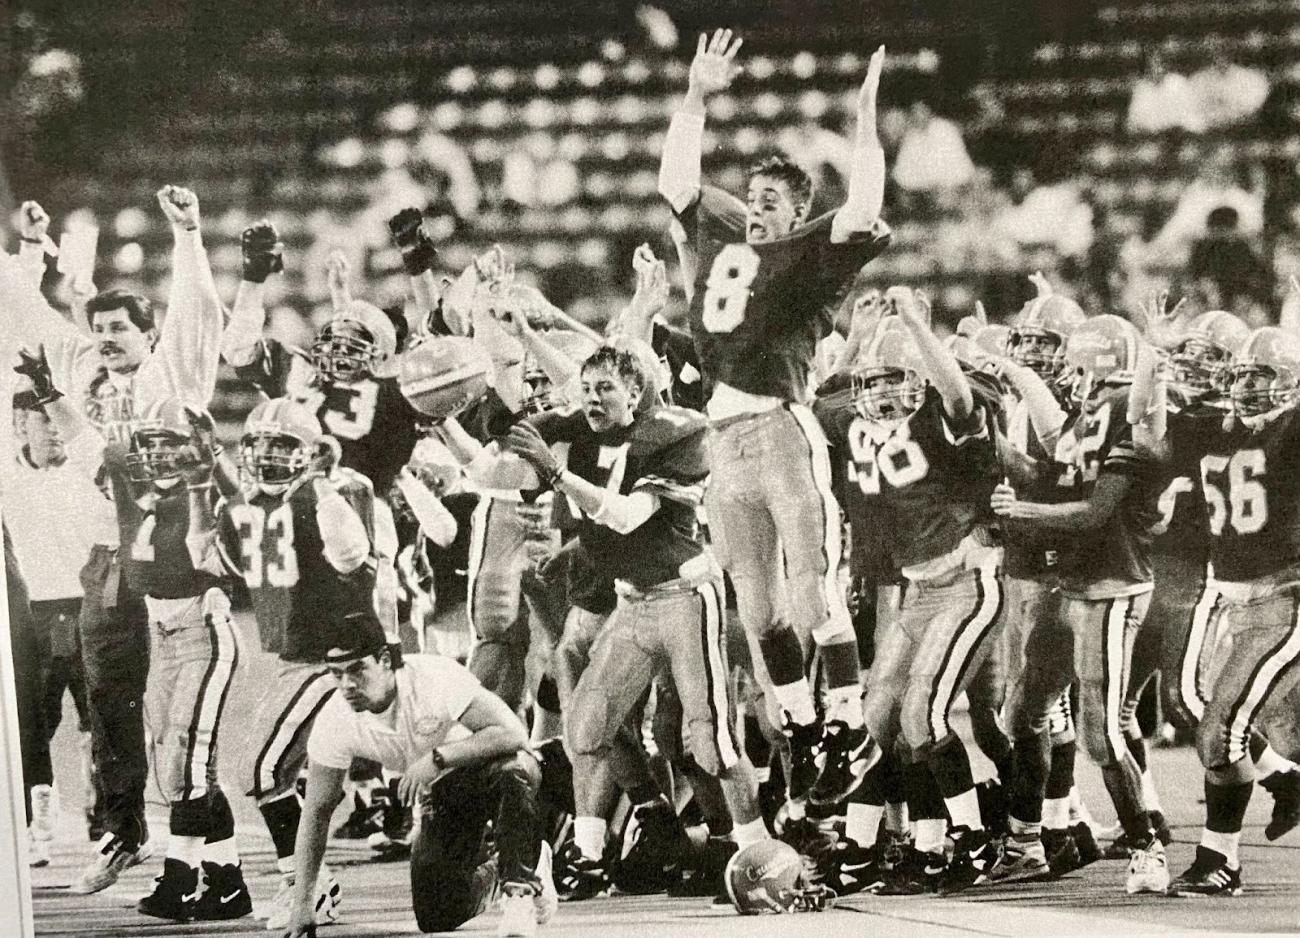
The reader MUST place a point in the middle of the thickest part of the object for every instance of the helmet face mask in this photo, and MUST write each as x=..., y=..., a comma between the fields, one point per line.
x=1041, y=350
x=887, y=395
x=1200, y=367
x=273, y=459
x=539, y=391
x=1266, y=376
x=156, y=455
x=345, y=351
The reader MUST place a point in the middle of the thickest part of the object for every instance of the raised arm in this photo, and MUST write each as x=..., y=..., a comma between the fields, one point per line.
x=867, y=173
x=942, y=367
x=713, y=70
x=418, y=255
x=263, y=255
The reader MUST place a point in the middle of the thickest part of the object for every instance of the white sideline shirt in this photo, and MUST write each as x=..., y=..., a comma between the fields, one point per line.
x=433, y=693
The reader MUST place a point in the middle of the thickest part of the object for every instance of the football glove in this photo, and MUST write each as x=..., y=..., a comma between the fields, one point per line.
x=36, y=368
x=407, y=230
x=262, y=250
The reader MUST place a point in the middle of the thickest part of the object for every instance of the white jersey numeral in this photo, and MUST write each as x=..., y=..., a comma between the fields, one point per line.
x=1244, y=502
x=726, y=292
x=280, y=568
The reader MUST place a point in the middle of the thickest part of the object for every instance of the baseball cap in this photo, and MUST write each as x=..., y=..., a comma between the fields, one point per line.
x=359, y=635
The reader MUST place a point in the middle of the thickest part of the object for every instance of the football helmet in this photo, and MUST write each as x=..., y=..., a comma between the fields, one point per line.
x=1102, y=349
x=443, y=375
x=161, y=440
x=355, y=344
x=1038, y=338
x=1201, y=360
x=540, y=395
x=768, y=876
x=1266, y=373
x=888, y=381
x=281, y=438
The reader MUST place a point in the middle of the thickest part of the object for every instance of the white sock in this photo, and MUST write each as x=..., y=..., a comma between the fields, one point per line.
x=896, y=816
x=964, y=810
x=862, y=824
x=750, y=833
x=222, y=852
x=1225, y=844
x=930, y=834
x=1149, y=793
x=1024, y=828
x=1079, y=810
x=189, y=850
x=845, y=703
x=1056, y=813
x=589, y=835
x=796, y=700
x=1270, y=762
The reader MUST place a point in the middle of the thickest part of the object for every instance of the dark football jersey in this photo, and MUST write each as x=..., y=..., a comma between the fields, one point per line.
x=676, y=350
x=1184, y=526
x=1251, y=483
x=374, y=423
x=663, y=452
x=759, y=310
x=923, y=482
x=1115, y=557
x=1033, y=551
x=299, y=600
x=152, y=524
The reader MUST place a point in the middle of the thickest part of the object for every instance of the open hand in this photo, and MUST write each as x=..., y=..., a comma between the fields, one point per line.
x=714, y=67
x=870, y=86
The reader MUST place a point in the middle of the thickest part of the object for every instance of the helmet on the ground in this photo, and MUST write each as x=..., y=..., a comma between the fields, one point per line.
x=768, y=876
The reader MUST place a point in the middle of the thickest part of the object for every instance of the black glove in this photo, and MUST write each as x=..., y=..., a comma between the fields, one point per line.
x=37, y=369
x=418, y=252
x=263, y=251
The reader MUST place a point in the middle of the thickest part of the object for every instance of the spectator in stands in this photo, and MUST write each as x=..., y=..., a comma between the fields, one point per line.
x=1216, y=187
x=1228, y=94
x=932, y=157
x=1225, y=266
x=1163, y=100
x=1050, y=213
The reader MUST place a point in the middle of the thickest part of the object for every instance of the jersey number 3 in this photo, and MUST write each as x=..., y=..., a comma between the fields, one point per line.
x=1243, y=501
x=726, y=292
x=277, y=566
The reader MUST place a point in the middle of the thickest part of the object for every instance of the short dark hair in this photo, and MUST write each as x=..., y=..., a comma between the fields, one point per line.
x=623, y=363
x=789, y=172
x=138, y=308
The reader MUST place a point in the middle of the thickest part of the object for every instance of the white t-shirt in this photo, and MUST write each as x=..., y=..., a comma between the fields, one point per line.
x=433, y=693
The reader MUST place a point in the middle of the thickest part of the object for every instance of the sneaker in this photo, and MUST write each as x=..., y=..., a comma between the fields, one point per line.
x=804, y=742
x=652, y=847
x=974, y=854
x=1085, y=842
x=42, y=826
x=547, y=900
x=1148, y=871
x=174, y=892
x=858, y=869
x=113, y=856
x=1285, y=789
x=578, y=877
x=329, y=895
x=1118, y=849
x=918, y=874
x=361, y=823
x=393, y=840
x=847, y=754
x=816, y=846
x=38, y=850
x=1209, y=875
x=225, y=895
x=708, y=878
x=518, y=912
x=1062, y=852
x=1024, y=857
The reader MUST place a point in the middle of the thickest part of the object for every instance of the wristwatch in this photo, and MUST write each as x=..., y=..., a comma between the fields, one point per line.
x=437, y=759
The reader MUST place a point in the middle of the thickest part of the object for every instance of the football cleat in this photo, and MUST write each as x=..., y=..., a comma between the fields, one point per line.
x=1023, y=857
x=225, y=895
x=579, y=877
x=1062, y=852
x=816, y=846
x=1148, y=870
x=329, y=896
x=706, y=878
x=919, y=873
x=1085, y=842
x=847, y=754
x=858, y=869
x=361, y=823
x=518, y=911
x=174, y=894
x=1285, y=789
x=1209, y=875
x=804, y=741
x=113, y=856
x=974, y=855
x=653, y=843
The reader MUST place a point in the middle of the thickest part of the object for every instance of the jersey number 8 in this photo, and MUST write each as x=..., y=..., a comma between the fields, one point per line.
x=1244, y=504
x=726, y=292
x=279, y=567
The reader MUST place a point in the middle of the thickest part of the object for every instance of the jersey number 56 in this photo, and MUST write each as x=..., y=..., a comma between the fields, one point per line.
x=1234, y=491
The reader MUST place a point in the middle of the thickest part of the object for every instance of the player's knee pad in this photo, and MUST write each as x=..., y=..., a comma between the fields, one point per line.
x=703, y=736
x=589, y=728
x=880, y=710
x=494, y=605
x=1097, y=742
x=1213, y=739
x=916, y=719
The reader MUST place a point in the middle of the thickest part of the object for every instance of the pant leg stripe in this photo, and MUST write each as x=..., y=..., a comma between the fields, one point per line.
x=715, y=676
x=231, y=638
x=1270, y=669
x=208, y=706
x=1113, y=676
x=477, y=550
x=286, y=726
x=195, y=726
x=962, y=650
x=820, y=460
x=1190, y=688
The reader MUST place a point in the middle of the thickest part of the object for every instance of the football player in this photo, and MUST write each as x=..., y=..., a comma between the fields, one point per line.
x=635, y=479
x=922, y=452
x=194, y=649
x=766, y=273
x=1248, y=469
x=1113, y=490
x=302, y=538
